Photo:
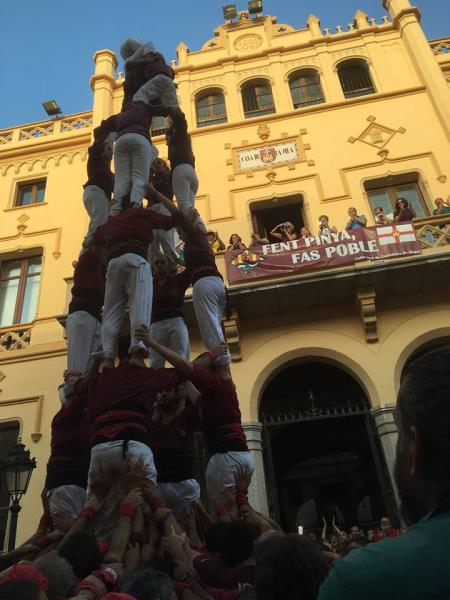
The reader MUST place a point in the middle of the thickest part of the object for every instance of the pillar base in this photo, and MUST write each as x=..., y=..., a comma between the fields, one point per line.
x=257, y=490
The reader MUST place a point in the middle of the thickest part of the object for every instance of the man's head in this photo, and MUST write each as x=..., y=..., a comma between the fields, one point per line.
x=288, y=566
x=211, y=236
x=385, y=525
x=355, y=532
x=159, y=166
x=205, y=361
x=236, y=543
x=148, y=583
x=422, y=468
x=323, y=219
x=378, y=211
x=439, y=202
x=161, y=266
x=59, y=573
x=352, y=213
x=81, y=552
x=343, y=537
x=21, y=589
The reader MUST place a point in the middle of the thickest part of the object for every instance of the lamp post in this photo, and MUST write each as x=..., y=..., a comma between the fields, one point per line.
x=17, y=467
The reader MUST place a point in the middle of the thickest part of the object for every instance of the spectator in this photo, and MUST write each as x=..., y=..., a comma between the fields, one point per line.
x=305, y=232
x=381, y=218
x=356, y=532
x=385, y=530
x=215, y=242
x=415, y=565
x=148, y=583
x=403, y=211
x=236, y=243
x=356, y=221
x=288, y=566
x=324, y=226
x=442, y=207
x=370, y=534
x=80, y=550
x=258, y=241
x=284, y=232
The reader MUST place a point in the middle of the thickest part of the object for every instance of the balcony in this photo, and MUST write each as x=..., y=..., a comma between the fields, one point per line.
x=45, y=129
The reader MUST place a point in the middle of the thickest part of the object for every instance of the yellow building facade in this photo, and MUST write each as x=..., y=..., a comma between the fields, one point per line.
x=286, y=124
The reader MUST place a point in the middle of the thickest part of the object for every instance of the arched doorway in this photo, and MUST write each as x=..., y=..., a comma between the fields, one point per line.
x=322, y=452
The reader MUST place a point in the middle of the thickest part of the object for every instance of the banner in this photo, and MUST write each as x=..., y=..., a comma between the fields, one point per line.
x=324, y=251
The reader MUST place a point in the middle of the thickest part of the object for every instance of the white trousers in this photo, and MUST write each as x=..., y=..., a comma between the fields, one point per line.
x=179, y=495
x=185, y=186
x=108, y=459
x=221, y=471
x=160, y=88
x=128, y=282
x=163, y=241
x=66, y=501
x=96, y=204
x=133, y=158
x=173, y=334
x=209, y=298
x=83, y=338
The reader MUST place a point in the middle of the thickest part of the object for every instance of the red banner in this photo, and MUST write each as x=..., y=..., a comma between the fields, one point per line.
x=324, y=251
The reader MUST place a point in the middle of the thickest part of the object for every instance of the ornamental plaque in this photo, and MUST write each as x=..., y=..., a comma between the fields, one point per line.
x=247, y=43
x=261, y=157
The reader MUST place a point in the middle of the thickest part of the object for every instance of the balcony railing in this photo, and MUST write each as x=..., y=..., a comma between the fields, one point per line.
x=14, y=338
x=433, y=232
x=45, y=129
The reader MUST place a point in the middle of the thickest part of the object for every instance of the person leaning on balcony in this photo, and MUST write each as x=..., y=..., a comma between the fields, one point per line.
x=258, y=240
x=215, y=242
x=414, y=565
x=284, y=232
x=305, y=233
x=403, y=211
x=324, y=226
x=381, y=218
x=356, y=221
x=236, y=243
x=442, y=206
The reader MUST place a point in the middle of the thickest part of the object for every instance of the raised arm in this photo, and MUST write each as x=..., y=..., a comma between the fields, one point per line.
x=152, y=194
x=275, y=231
x=182, y=365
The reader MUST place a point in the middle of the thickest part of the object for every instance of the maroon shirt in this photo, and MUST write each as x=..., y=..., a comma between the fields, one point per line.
x=221, y=416
x=168, y=297
x=88, y=291
x=131, y=231
x=99, y=169
x=214, y=573
x=173, y=446
x=163, y=183
x=199, y=257
x=118, y=401
x=70, y=452
x=179, y=143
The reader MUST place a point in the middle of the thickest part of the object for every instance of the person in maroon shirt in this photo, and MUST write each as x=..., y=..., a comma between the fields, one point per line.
x=68, y=465
x=168, y=322
x=208, y=290
x=221, y=417
x=100, y=183
x=83, y=324
x=161, y=179
x=126, y=238
x=171, y=432
x=118, y=404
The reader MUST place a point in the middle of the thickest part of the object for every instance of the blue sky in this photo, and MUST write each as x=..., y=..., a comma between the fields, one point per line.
x=47, y=46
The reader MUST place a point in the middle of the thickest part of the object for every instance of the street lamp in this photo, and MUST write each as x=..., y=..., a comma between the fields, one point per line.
x=17, y=467
x=255, y=7
x=229, y=12
x=51, y=108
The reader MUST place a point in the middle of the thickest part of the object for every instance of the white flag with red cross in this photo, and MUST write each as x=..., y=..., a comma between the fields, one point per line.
x=398, y=233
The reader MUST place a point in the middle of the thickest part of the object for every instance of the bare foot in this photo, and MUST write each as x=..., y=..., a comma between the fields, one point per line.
x=106, y=365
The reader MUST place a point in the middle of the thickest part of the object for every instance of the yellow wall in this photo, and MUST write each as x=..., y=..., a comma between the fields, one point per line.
x=411, y=104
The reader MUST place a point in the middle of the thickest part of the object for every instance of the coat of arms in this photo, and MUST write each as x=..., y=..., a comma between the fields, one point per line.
x=268, y=155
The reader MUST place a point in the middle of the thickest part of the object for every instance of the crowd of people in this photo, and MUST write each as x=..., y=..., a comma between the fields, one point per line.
x=286, y=232
x=124, y=517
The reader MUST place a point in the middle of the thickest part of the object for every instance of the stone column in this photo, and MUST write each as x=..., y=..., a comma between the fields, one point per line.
x=257, y=491
x=387, y=431
x=407, y=20
x=102, y=84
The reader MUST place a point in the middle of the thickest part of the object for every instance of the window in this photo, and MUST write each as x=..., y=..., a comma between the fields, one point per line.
x=267, y=214
x=30, y=192
x=210, y=108
x=355, y=78
x=305, y=89
x=159, y=126
x=19, y=288
x=9, y=432
x=385, y=192
x=257, y=99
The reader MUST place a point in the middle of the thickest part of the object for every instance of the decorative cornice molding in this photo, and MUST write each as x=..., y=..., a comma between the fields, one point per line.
x=42, y=161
